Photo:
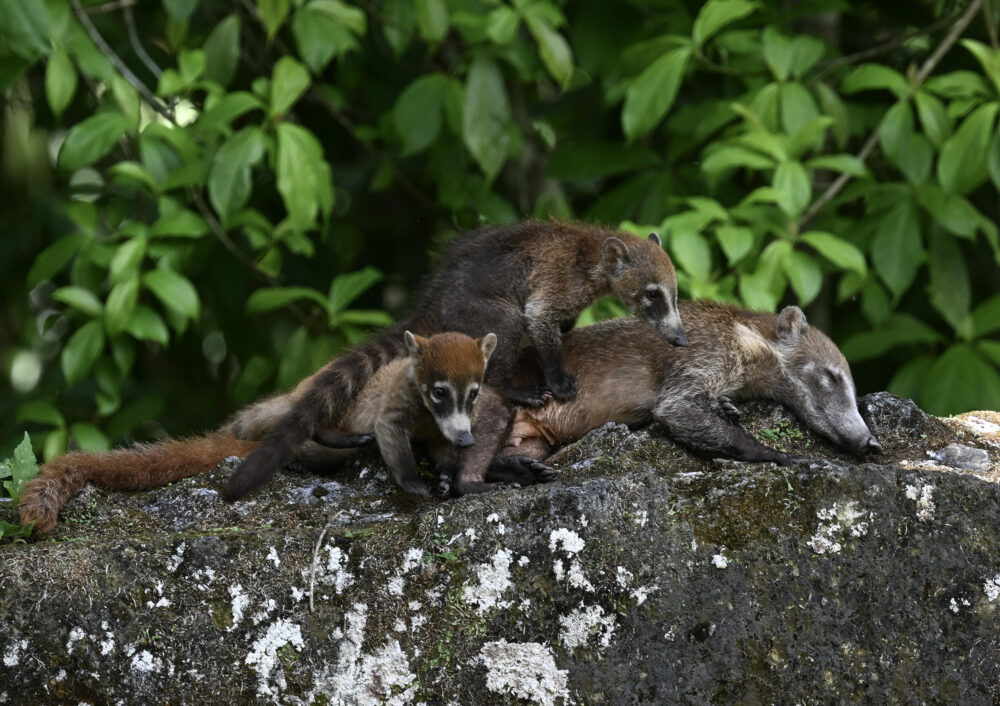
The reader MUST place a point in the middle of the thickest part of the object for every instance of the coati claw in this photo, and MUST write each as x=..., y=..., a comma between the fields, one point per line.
x=562, y=385
x=523, y=470
x=534, y=396
x=729, y=408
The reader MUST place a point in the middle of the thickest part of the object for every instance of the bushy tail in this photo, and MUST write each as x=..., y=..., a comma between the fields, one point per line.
x=321, y=400
x=134, y=468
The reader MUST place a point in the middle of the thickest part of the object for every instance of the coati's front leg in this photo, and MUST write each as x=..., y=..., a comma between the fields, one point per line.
x=544, y=329
x=695, y=423
x=394, y=443
x=336, y=439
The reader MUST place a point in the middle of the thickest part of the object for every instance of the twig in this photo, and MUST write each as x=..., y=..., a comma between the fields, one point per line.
x=932, y=61
x=312, y=567
x=883, y=48
x=140, y=51
x=111, y=6
x=124, y=70
x=991, y=26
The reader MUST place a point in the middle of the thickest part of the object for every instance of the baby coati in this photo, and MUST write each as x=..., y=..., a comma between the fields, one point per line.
x=529, y=279
x=624, y=374
x=432, y=396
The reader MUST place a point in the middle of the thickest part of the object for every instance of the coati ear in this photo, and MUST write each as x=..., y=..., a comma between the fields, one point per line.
x=656, y=239
x=413, y=343
x=615, y=252
x=792, y=325
x=487, y=344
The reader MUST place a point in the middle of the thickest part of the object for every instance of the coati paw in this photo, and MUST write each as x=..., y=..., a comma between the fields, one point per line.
x=413, y=486
x=522, y=470
x=729, y=408
x=562, y=385
x=534, y=396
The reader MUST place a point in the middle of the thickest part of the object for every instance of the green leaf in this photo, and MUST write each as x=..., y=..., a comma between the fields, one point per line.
x=837, y=250
x=180, y=10
x=418, y=112
x=716, y=14
x=81, y=351
x=933, y=116
x=10, y=530
x=147, y=325
x=350, y=17
x=897, y=330
x=274, y=297
x=304, y=179
x=272, y=14
x=88, y=141
x=89, y=438
x=502, y=24
x=289, y=81
x=432, y=19
x=804, y=275
x=650, y=96
x=791, y=181
x=951, y=211
x=120, y=304
x=897, y=127
x=949, y=285
x=23, y=467
x=125, y=263
x=779, y=52
x=60, y=81
x=916, y=159
x=227, y=109
x=961, y=381
x=963, y=162
x=320, y=34
x=869, y=77
x=365, y=317
x=986, y=317
x=222, y=51
x=347, y=287
x=81, y=299
x=909, y=379
x=691, y=251
x=807, y=51
x=229, y=181
x=991, y=349
x=730, y=157
x=897, y=249
x=174, y=290
x=987, y=58
x=845, y=163
x=179, y=224
x=797, y=106
x=54, y=258
x=41, y=413
x=552, y=47
x=993, y=161
x=736, y=242
x=587, y=161
x=486, y=115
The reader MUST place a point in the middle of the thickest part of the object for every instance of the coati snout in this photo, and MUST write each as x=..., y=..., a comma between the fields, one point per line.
x=646, y=283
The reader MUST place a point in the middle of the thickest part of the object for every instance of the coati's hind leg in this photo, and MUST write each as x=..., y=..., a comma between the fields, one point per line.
x=696, y=423
x=336, y=439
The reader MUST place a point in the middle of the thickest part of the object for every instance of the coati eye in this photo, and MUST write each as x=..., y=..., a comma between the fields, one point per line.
x=473, y=392
x=832, y=376
x=438, y=392
x=653, y=294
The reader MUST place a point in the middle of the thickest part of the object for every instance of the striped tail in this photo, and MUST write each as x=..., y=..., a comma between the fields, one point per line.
x=321, y=401
x=135, y=468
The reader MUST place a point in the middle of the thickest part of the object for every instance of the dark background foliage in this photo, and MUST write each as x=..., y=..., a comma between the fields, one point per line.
x=203, y=200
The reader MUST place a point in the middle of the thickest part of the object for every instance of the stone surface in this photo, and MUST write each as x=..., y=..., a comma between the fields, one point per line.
x=641, y=575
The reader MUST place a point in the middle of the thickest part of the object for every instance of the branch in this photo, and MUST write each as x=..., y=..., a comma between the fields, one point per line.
x=140, y=51
x=111, y=6
x=866, y=150
x=124, y=70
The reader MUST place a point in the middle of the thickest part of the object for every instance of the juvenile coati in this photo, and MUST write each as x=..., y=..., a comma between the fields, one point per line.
x=528, y=278
x=626, y=375
x=433, y=396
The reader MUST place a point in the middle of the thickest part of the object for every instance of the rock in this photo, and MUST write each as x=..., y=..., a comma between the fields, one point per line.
x=961, y=456
x=640, y=575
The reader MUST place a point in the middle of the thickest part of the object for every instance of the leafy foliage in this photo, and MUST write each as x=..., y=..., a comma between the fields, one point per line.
x=15, y=472
x=236, y=164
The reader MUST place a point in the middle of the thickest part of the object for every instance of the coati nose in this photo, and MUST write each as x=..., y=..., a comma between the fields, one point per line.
x=873, y=444
x=679, y=339
x=464, y=439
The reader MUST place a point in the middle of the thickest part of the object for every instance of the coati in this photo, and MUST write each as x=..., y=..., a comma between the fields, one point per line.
x=624, y=374
x=527, y=278
x=433, y=396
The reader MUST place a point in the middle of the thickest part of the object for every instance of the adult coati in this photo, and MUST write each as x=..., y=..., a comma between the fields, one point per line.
x=527, y=278
x=626, y=375
x=433, y=396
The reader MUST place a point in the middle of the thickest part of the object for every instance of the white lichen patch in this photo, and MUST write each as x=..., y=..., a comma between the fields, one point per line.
x=837, y=523
x=471, y=534
x=417, y=622
x=12, y=655
x=570, y=541
x=395, y=586
x=979, y=425
x=75, y=635
x=585, y=623
x=641, y=593
x=923, y=494
x=577, y=579
x=583, y=521
x=334, y=573
x=263, y=656
x=145, y=662
x=523, y=561
x=204, y=578
x=399, y=626
x=954, y=607
x=523, y=670
x=719, y=561
x=558, y=570
x=411, y=560
x=273, y=557
x=992, y=588
x=175, y=561
x=383, y=677
x=239, y=604
x=264, y=614
x=623, y=577
x=494, y=579
x=297, y=593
